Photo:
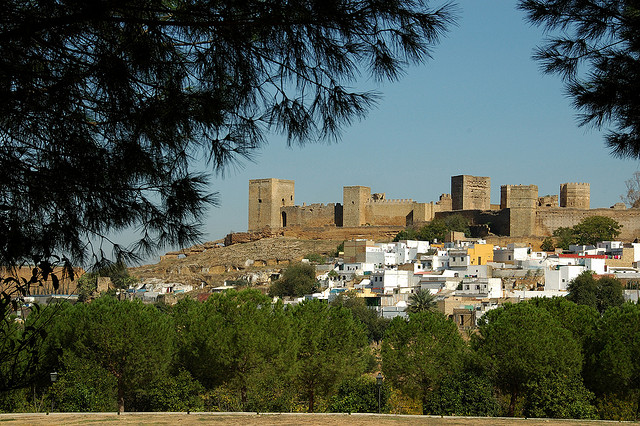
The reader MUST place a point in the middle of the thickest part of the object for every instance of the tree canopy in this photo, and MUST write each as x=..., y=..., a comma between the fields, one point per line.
x=589, y=231
x=418, y=353
x=420, y=301
x=297, y=280
x=600, y=294
x=595, y=52
x=437, y=229
x=525, y=343
x=107, y=107
x=131, y=342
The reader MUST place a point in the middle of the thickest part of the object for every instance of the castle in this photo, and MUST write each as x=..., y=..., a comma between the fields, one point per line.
x=521, y=212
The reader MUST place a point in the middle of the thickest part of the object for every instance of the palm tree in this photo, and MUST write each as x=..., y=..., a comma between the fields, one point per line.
x=421, y=301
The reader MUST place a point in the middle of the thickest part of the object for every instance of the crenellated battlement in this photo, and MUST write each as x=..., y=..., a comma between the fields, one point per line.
x=396, y=201
x=316, y=205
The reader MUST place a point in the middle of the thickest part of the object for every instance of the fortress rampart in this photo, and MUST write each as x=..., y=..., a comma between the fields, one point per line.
x=522, y=212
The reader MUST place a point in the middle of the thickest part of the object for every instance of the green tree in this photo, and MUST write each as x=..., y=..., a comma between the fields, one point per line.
x=374, y=323
x=564, y=237
x=436, y=229
x=237, y=340
x=359, y=395
x=457, y=222
x=610, y=293
x=332, y=347
x=547, y=244
x=559, y=397
x=583, y=290
x=595, y=53
x=419, y=352
x=463, y=394
x=525, y=343
x=613, y=370
x=83, y=385
x=134, y=343
x=420, y=301
x=579, y=319
x=297, y=280
x=589, y=231
x=406, y=234
x=599, y=294
x=177, y=391
x=593, y=229
x=107, y=109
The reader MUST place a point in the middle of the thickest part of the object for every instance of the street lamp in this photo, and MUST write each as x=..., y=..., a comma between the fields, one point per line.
x=54, y=378
x=379, y=380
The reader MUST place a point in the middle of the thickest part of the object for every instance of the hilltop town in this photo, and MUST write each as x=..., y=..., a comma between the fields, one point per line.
x=499, y=260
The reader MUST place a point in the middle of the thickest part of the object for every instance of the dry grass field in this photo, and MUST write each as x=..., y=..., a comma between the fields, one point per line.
x=245, y=419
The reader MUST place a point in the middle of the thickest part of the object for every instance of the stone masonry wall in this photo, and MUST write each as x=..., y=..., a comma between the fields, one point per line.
x=313, y=215
x=548, y=220
x=390, y=212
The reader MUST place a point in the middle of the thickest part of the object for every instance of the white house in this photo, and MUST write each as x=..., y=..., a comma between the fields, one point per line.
x=510, y=254
x=391, y=280
x=481, y=287
x=559, y=277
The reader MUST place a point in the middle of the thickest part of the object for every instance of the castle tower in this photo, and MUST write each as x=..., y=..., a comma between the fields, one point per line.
x=470, y=192
x=266, y=197
x=522, y=202
x=575, y=195
x=354, y=199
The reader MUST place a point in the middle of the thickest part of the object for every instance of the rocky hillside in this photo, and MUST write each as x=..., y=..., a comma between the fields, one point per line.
x=211, y=264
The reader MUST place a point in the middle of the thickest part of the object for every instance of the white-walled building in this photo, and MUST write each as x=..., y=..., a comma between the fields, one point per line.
x=558, y=278
x=490, y=288
x=511, y=253
x=393, y=281
x=435, y=262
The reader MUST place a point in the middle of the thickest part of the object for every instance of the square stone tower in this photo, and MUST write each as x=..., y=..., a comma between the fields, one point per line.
x=354, y=199
x=266, y=197
x=522, y=202
x=575, y=195
x=470, y=192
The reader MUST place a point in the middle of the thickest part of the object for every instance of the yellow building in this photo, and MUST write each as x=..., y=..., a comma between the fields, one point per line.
x=480, y=254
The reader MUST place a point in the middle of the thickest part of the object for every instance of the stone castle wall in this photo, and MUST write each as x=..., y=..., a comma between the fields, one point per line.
x=313, y=215
x=548, y=220
x=389, y=212
x=521, y=212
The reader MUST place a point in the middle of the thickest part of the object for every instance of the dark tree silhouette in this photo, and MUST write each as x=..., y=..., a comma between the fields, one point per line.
x=107, y=106
x=596, y=54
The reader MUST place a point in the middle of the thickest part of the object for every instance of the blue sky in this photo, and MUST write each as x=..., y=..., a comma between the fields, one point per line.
x=481, y=106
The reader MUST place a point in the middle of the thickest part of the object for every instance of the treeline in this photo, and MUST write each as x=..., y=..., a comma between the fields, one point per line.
x=239, y=351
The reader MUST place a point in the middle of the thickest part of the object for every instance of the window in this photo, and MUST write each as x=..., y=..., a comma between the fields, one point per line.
x=259, y=200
